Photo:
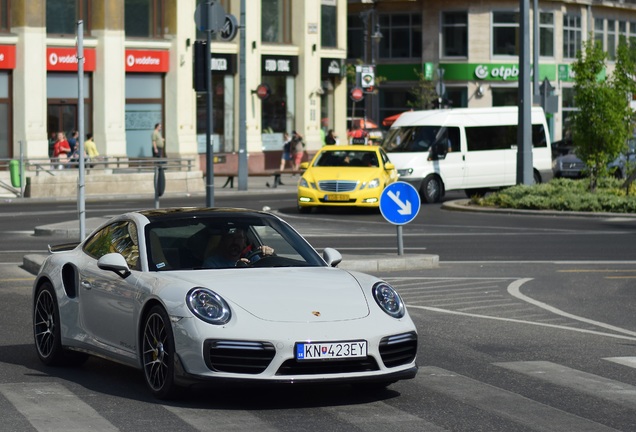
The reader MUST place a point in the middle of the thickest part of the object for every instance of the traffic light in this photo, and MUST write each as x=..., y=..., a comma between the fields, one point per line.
x=199, y=52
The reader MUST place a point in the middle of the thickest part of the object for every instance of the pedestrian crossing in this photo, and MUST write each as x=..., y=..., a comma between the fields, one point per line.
x=55, y=407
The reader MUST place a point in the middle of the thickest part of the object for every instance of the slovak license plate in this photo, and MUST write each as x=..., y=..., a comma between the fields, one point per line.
x=331, y=350
x=336, y=197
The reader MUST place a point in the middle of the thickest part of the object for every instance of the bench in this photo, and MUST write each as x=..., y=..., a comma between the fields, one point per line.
x=277, y=174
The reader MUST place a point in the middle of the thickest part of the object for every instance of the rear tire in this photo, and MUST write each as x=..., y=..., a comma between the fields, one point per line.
x=432, y=189
x=47, y=330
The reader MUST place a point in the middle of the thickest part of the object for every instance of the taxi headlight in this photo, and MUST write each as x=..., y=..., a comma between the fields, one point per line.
x=388, y=299
x=303, y=183
x=372, y=184
x=208, y=306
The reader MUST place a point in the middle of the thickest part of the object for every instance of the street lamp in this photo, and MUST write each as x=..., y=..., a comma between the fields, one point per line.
x=376, y=36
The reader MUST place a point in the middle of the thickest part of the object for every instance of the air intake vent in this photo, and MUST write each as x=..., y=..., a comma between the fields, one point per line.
x=242, y=357
x=399, y=349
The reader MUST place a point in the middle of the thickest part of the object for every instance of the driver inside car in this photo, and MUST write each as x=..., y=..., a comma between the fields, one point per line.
x=233, y=251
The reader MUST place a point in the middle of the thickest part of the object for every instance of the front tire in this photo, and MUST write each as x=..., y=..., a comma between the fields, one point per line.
x=158, y=353
x=432, y=189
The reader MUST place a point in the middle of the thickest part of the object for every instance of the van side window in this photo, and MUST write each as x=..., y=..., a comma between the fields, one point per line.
x=539, y=136
x=482, y=138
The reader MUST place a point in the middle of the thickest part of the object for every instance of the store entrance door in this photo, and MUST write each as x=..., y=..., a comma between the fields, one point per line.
x=62, y=117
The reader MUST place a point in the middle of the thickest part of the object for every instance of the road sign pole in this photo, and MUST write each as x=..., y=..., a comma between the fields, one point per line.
x=400, y=240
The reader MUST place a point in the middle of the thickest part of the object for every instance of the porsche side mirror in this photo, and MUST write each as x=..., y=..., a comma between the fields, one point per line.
x=114, y=262
x=332, y=257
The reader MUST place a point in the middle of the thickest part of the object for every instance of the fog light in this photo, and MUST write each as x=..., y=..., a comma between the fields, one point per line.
x=370, y=200
x=304, y=199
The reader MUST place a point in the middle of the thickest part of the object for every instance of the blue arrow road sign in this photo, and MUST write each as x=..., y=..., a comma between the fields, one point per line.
x=399, y=203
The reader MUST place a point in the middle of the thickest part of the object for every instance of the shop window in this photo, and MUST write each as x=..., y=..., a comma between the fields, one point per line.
x=402, y=35
x=454, y=34
x=62, y=16
x=571, y=35
x=277, y=116
x=276, y=21
x=144, y=18
x=144, y=108
x=505, y=33
x=355, y=37
x=328, y=24
x=505, y=96
x=457, y=97
x=546, y=34
x=5, y=112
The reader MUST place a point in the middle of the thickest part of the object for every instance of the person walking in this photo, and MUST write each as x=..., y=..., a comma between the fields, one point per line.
x=158, y=142
x=286, y=155
x=298, y=149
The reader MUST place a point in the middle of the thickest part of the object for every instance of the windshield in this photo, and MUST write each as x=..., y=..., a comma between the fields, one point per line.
x=420, y=138
x=353, y=158
x=221, y=242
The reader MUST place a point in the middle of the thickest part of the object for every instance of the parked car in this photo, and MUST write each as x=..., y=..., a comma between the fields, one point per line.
x=136, y=291
x=345, y=176
x=568, y=165
x=361, y=130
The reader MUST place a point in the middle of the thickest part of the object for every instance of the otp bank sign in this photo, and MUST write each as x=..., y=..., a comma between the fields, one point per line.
x=497, y=72
x=65, y=59
x=147, y=61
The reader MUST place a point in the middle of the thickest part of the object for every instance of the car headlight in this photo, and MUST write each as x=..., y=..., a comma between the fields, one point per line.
x=388, y=299
x=303, y=183
x=372, y=184
x=208, y=306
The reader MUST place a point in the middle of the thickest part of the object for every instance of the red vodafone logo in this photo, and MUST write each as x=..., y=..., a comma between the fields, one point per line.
x=357, y=94
x=65, y=59
x=147, y=61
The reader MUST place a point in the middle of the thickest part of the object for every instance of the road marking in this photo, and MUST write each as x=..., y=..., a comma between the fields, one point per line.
x=514, y=290
x=625, y=361
x=225, y=420
x=381, y=417
x=596, y=271
x=512, y=406
x=52, y=407
x=593, y=385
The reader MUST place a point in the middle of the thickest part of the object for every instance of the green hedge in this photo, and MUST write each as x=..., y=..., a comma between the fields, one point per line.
x=565, y=195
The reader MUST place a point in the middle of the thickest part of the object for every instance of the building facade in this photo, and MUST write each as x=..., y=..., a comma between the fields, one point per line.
x=476, y=46
x=138, y=67
x=138, y=71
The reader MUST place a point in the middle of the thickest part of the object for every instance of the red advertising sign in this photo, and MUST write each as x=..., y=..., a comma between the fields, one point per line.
x=147, y=61
x=7, y=56
x=65, y=59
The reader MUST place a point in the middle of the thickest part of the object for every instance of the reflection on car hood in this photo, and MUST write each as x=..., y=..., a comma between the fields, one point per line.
x=288, y=294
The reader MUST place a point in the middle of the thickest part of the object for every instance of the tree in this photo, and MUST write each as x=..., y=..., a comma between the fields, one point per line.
x=423, y=95
x=605, y=119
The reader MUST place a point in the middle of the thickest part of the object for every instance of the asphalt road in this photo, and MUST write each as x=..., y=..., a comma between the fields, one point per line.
x=526, y=325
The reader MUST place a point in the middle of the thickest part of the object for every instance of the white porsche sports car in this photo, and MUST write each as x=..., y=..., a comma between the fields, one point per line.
x=157, y=290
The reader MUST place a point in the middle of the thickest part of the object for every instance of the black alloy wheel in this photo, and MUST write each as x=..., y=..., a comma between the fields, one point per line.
x=158, y=353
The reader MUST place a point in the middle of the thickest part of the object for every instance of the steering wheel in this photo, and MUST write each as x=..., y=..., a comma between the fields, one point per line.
x=257, y=252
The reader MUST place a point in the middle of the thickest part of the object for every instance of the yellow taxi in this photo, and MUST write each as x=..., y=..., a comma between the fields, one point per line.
x=343, y=176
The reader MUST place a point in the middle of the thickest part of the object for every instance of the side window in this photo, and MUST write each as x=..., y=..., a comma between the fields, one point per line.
x=120, y=237
x=454, y=144
x=539, y=136
x=483, y=138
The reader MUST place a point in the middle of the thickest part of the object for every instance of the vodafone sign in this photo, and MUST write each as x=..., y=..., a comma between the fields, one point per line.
x=147, y=61
x=7, y=57
x=65, y=59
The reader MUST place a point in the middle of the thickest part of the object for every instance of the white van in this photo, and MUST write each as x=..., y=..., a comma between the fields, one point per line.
x=474, y=149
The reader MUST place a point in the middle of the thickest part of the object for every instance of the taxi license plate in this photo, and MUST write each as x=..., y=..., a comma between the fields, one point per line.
x=336, y=197
x=331, y=350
